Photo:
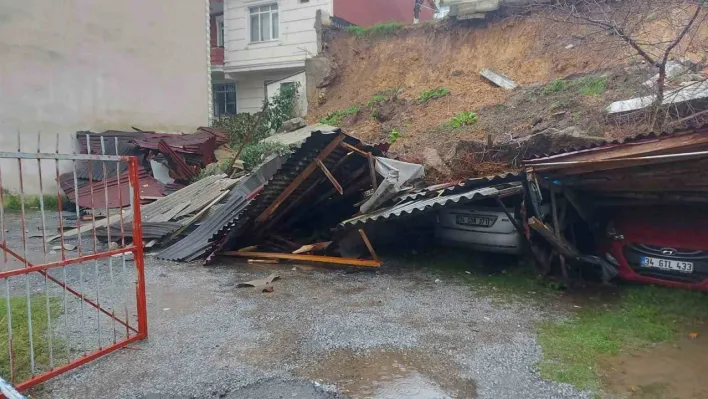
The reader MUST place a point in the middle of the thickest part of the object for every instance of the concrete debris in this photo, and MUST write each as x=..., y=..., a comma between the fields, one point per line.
x=431, y=159
x=673, y=70
x=260, y=282
x=498, y=79
x=684, y=95
x=67, y=247
x=293, y=124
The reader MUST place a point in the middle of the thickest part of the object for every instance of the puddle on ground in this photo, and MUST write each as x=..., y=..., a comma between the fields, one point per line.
x=668, y=371
x=384, y=374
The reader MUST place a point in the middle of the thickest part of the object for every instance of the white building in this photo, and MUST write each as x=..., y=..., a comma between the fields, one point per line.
x=98, y=65
x=266, y=44
x=259, y=45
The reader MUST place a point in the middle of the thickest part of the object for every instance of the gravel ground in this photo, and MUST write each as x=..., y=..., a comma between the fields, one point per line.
x=386, y=334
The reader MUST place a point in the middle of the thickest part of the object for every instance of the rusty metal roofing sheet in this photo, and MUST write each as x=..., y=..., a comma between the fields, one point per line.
x=118, y=196
x=422, y=205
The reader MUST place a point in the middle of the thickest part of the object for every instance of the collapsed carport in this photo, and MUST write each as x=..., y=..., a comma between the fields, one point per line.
x=641, y=173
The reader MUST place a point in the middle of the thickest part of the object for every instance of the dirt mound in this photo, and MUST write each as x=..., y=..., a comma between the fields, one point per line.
x=408, y=86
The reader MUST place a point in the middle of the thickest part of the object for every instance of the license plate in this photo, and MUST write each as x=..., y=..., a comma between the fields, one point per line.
x=483, y=221
x=666, y=264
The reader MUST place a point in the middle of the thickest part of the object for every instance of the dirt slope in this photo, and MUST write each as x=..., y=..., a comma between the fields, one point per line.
x=445, y=54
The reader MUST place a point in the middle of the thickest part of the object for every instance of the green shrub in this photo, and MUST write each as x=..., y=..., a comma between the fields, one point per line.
x=278, y=110
x=432, y=94
x=253, y=154
x=393, y=135
x=463, y=119
x=555, y=86
x=336, y=117
x=13, y=202
x=384, y=29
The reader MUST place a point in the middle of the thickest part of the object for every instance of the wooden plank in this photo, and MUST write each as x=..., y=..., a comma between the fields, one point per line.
x=372, y=170
x=579, y=167
x=330, y=177
x=544, y=266
x=355, y=150
x=556, y=227
x=305, y=258
x=557, y=242
x=266, y=214
x=368, y=244
x=318, y=246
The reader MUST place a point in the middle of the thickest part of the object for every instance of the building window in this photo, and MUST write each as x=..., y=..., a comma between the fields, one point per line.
x=224, y=97
x=220, y=31
x=265, y=23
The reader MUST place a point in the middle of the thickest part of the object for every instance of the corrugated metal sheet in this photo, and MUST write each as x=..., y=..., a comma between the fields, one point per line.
x=151, y=230
x=303, y=156
x=197, y=243
x=609, y=144
x=118, y=196
x=464, y=185
x=414, y=207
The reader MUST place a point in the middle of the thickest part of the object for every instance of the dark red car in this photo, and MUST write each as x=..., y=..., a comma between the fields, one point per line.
x=665, y=245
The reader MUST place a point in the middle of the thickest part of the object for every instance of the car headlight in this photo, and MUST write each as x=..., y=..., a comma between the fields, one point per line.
x=611, y=259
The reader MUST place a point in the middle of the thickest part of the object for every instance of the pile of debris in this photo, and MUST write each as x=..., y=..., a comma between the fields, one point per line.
x=167, y=162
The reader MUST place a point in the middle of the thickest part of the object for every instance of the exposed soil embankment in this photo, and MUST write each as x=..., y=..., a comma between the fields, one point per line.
x=381, y=81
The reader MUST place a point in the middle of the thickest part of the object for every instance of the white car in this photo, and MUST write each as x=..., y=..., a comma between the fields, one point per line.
x=478, y=228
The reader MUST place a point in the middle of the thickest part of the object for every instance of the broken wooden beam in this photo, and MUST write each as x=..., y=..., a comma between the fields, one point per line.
x=368, y=244
x=372, y=170
x=355, y=150
x=330, y=177
x=318, y=246
x=305, y=258
x=557, y=242
x=300, y=178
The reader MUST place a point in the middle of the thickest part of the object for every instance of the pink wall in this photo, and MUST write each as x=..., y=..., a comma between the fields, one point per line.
x=372, y=12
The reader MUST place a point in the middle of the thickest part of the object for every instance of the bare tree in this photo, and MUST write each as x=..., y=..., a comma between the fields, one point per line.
x=632, y=23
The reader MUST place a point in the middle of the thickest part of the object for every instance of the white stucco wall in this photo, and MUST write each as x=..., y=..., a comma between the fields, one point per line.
x=97, y=65
x=301, y=102
x=297, y=41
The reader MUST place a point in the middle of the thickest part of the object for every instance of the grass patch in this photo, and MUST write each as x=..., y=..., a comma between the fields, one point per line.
x=554, y=87
x=592, y=85
x=336, y=117
x=13, y=202
x=497, y=275
x=379, y=98
x=384, y=29
x=463, y=119
x=20, y=329
x=433, y=94
x=643, y=316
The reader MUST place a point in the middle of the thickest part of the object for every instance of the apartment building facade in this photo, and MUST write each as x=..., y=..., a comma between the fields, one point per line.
x=260, y=45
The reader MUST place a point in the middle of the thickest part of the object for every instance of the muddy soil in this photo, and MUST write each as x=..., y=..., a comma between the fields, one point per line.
x=668, y=371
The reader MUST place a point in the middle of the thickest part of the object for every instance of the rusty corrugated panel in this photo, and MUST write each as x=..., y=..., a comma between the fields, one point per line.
x=178, y=167
x=118, y=196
